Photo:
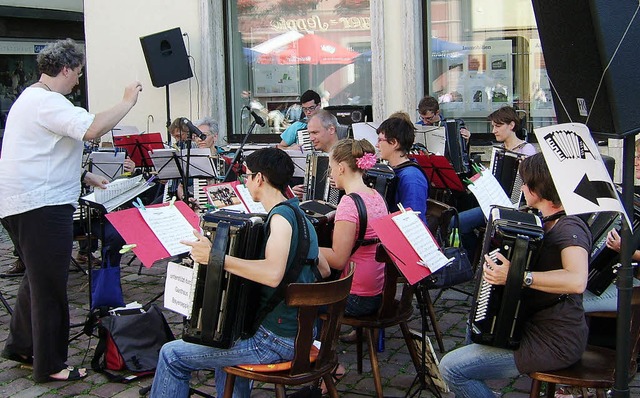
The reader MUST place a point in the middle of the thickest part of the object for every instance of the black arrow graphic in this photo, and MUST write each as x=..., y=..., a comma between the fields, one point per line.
x=592, y=190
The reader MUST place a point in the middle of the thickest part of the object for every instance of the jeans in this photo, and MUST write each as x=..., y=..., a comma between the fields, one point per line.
x=469, y=220
x=178, y=359
x=466, y=368
x=362, y=305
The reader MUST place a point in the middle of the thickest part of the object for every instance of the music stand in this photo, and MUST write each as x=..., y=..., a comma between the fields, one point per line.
x=201, y=163
x=138, y=146
x=440, y=172
x=106, y=164
x=166, y=163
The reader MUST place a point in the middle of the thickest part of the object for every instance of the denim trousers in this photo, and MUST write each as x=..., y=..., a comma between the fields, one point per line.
x=469, y=220
x=178, y=359
x=362, y=305
x=466, y=368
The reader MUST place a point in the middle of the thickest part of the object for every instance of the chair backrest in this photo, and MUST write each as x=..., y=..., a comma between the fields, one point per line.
x=439, y=215
x=389, y=307
x=310, y=298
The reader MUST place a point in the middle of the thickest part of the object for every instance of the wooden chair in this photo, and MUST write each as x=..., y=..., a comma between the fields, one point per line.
x=309, y=363
x=392, y=312
x=596, y=369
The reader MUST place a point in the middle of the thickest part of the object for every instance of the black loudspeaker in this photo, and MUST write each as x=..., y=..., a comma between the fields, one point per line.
x=349, y=114
x=579, y=38
x=166, y=57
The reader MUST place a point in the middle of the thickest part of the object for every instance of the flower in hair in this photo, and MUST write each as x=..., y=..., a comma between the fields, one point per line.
x=366, y=161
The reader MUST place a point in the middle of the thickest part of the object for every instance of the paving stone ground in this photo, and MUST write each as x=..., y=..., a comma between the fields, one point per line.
x=452, y=309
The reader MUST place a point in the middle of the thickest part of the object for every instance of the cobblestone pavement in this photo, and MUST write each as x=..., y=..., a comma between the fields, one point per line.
x=398, y=374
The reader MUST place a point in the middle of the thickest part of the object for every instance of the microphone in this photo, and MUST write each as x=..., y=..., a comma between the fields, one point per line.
x=193, y=129
x=256, y=117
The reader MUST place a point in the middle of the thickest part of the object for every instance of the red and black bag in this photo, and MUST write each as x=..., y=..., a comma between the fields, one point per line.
x=130, y=341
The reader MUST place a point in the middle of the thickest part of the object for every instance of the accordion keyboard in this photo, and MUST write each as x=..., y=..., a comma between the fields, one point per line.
x=304, y=140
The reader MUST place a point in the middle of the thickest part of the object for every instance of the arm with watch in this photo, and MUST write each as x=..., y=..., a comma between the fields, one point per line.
x=570, y=279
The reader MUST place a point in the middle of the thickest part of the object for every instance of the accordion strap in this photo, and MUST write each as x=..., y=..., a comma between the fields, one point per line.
x=293, y=273
x=362, y=229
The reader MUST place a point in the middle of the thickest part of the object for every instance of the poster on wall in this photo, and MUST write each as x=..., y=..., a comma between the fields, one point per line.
x=476, y=79
x=541, y=98
x=276, y=80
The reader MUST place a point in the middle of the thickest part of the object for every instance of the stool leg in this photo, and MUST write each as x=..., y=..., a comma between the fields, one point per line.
x=411, y=346
x=535, y=388
x=359, y=348
x=551, y=390
x=375, y=369
x=434, y=322
x=228, y=385
x=280, y=393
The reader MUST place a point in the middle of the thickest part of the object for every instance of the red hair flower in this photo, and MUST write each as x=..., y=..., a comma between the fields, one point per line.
x=366, y=161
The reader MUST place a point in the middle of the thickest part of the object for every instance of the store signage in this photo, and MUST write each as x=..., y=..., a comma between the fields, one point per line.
x=315, y=23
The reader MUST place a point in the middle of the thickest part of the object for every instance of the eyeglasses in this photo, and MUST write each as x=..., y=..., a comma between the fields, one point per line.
x=244, y=177
x=309, y=108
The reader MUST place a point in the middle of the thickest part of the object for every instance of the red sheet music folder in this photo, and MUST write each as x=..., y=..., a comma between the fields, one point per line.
x=130, y=224
x=138, y=146
x=399, y=248
x=440, y=172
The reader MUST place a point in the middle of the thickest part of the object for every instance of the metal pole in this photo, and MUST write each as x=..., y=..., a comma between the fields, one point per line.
x=625, y=276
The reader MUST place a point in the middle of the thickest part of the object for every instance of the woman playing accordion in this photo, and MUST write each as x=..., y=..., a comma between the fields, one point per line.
x=555, y=332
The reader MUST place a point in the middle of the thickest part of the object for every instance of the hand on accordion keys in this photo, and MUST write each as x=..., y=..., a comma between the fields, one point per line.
x=200, y=249
x=496, y=268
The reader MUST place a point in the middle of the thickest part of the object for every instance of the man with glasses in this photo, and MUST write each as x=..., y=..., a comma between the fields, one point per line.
x=429, y=111
x=310, y=102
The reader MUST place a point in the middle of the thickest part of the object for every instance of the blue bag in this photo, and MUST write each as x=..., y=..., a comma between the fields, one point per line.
x=106, y=290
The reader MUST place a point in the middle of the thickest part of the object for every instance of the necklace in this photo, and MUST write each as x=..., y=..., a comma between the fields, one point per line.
x=45, y=84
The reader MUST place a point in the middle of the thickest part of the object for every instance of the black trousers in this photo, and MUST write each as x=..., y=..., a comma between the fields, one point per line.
x=40, y=322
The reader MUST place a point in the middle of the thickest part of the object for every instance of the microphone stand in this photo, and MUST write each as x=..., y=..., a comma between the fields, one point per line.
x=238, y=155
x=185, y=176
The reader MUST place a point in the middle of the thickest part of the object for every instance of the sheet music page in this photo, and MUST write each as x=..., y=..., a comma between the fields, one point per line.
x=366, y=130
x=434, y=138
x=178, y=292
x=245, y=196
x=170, y=227
x=489, y=192
x=421, y=240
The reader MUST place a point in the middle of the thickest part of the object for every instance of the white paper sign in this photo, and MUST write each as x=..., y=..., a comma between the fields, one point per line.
x=580, y=176
x=421, y=240
x=170, y=227
x=178, y=289
x=252, y=205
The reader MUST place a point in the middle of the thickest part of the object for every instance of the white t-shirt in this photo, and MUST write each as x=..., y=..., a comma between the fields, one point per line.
x=41, y=152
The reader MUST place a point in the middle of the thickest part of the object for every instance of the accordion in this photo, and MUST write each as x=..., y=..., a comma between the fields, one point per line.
x=604, y=262
x=504, y=166
x=322, y=216
x=379, y=177
x=316, y=179
x=225, y=305
x=455, y=146
x=304, y=140
x=496, y=317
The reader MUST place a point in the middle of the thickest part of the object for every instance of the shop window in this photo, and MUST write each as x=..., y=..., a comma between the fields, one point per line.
x=278, y=49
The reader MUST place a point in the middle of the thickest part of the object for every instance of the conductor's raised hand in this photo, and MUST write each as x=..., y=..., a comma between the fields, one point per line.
x=200, y=249
x=131, y=93
x=495, y=272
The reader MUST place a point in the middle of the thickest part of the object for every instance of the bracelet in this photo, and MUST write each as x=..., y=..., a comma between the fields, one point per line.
x=84, y=174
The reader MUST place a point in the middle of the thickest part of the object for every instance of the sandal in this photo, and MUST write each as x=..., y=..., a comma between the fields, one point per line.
x=12, y=356
x=336, y=375
x=74, y=374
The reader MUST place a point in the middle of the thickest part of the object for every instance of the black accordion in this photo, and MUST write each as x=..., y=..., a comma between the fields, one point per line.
x=322, y=216
x=497, y=314
x=225, y=305
x=379, y=177
x=316, y=179
x=455, y=146
x=604, y=262
x=504, y=166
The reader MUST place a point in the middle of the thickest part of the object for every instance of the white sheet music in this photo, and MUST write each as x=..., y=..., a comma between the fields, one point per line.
x=489, y=192
x=245, y=195
x=170, y=227
x=421, y=240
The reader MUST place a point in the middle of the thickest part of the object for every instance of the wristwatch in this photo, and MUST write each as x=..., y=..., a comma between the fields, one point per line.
x=528, y=279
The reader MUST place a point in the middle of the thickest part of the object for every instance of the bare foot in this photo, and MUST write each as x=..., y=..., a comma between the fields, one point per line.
x=69, y=374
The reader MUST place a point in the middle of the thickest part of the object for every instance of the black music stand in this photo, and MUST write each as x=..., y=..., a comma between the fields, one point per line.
x=138, y=147
x=106, y=164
